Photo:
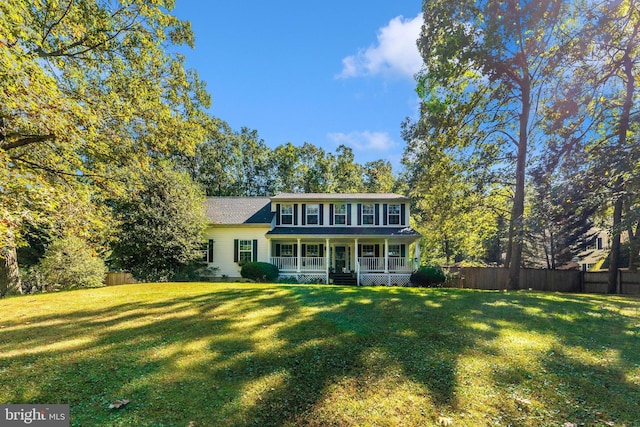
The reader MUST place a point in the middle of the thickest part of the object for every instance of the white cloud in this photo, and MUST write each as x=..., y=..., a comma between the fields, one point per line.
x=364, y=141
x=395, y=52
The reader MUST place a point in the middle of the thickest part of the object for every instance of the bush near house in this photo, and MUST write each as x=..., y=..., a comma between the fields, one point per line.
x=69, y=262
x=428, y=276
x=260, y=271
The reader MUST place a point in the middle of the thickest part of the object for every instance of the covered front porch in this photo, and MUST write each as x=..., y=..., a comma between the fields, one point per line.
x=368, y=261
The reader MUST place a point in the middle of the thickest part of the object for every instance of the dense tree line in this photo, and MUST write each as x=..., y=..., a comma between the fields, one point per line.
x=529, y=106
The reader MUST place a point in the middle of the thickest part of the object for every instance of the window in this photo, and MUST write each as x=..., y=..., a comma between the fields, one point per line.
x=368, y=213
x=245, y=251
x=286, y=214
x=286, y=250
x=394, y=251
x=312, y=214
x=368, y=250
x=207, y=251
x=599, y=243
x=313, y=251
x=394, y=215
x=340, y=214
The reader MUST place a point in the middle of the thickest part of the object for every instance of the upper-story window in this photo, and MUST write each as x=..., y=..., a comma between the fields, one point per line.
x=313, y=213
x=286, y=214
x=340, y=214
x=394, y=214
x=368, y=213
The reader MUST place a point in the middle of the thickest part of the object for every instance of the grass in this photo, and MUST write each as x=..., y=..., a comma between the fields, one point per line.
x=244, y=354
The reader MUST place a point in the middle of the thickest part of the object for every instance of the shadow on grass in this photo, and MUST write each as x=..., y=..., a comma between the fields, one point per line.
x=279, y=355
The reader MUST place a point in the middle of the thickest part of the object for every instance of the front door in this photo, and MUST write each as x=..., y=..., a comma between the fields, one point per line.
x=340, y=258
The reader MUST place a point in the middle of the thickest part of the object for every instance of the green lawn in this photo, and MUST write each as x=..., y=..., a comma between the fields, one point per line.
x=244, y=354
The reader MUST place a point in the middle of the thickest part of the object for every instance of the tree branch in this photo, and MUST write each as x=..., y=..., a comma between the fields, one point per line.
x=24, y=140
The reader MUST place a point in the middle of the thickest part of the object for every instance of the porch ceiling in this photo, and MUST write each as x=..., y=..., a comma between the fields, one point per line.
x=355, y=232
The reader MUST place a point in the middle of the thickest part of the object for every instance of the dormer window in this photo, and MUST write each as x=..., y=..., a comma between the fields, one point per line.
x=340, y=214
x=368, y=213
x=394, y=215
x=313, y=212
x=286, y=214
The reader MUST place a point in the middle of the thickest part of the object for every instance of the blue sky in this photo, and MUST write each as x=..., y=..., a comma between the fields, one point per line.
x=327, y=73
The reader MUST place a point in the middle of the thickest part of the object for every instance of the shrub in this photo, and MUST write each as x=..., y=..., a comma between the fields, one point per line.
x=69, y=262
x=428, y=276
x=260, y=271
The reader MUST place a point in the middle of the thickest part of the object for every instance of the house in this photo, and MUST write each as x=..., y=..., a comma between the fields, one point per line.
x=362, y=238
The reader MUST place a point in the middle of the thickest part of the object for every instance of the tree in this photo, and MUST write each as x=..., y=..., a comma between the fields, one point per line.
x=161, y=225
x=456, y=208
x=348, y=174
x=69, y=262
x=594, y=114
x=88, y=90
x=378, y=177
x=487, y=72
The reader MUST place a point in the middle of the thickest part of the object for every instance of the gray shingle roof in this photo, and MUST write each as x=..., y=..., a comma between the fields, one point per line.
x=340, y=196
x=345, y=231
x=239, y=210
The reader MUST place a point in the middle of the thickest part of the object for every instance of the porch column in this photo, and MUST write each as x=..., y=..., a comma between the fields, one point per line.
x=269, y=250
x=386, y=261
x=326, y=260
x=299, y=258
x=386, y=255
x=357, y=262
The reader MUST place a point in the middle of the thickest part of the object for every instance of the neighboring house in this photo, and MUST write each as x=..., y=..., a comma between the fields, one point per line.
x=362, y=238
x=595, y=250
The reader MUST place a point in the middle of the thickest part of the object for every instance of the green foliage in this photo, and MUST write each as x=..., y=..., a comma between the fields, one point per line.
x=70, y=263
x=161, y=226
x=428, y=276
x=260, y=271
x=91, y=95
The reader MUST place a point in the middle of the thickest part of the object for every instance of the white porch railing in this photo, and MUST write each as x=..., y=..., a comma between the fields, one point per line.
x=400, y=264
x=371, y=264
x=313, y=263
x=377, y=264
x=291, y=263
x=285, y=263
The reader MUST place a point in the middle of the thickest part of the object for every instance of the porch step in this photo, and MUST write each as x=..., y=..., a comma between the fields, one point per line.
x=345, y=279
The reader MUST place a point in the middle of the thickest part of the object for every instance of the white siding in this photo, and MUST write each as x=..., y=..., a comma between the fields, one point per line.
x=223, y=255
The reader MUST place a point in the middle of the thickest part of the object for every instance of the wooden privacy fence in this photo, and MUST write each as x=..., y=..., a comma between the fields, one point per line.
x=118, y=278
x=543, y=280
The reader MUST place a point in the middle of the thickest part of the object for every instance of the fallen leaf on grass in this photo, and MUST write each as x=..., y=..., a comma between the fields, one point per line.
x=523, y=401
x=445, y=421
x=118, y=404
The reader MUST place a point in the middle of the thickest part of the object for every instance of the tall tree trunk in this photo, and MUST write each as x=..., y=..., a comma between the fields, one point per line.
x=614, y=256
x=507, y=258
x=553, y=251
x=623, y=129
x=9, y=273
x=634, y=247
x=517, y=213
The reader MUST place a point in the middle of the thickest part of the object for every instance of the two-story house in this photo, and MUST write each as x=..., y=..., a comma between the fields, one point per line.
x=362, y=238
